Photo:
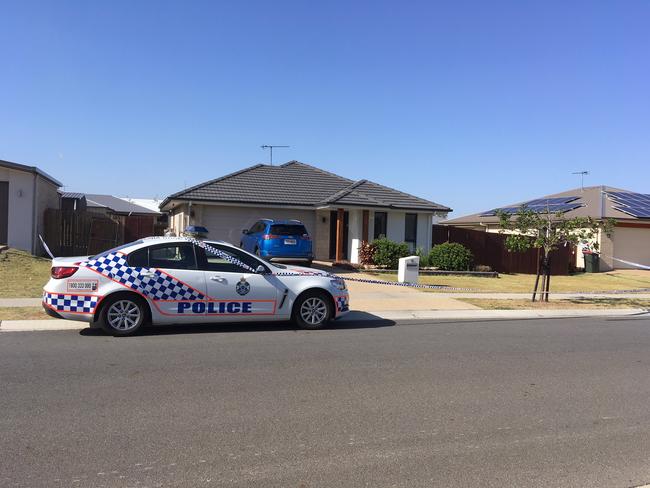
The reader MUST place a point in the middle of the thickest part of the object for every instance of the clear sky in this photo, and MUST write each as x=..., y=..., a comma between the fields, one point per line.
x=469, y=104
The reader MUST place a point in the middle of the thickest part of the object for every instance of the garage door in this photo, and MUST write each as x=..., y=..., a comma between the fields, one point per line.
x=226, y=223
x=631, y=245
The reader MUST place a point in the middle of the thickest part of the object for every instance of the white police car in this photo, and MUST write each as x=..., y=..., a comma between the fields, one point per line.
x=164, y=280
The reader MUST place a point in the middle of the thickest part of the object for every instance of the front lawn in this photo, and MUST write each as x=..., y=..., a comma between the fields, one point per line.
x=561, y=304
x=522, y=283
x=23, y=313
x=22, y=275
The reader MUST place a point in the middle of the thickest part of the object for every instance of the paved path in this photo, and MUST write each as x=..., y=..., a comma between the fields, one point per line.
x=20, y=302
x=557, y=403
x=362, y=316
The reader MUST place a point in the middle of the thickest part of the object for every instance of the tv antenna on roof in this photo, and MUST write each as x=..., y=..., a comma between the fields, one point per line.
x=582, y=178
x=271, y=152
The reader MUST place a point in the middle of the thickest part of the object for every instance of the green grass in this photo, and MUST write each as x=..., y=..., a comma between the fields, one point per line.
x=22, y=275
x=562, y=304
x=523, y=283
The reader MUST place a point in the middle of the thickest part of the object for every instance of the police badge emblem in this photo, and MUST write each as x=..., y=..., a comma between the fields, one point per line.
x=243, y=286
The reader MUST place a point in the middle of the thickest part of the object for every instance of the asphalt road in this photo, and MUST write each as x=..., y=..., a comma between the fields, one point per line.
x=505, y=403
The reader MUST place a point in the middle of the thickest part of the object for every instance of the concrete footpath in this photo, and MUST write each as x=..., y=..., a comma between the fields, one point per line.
x=357, y=316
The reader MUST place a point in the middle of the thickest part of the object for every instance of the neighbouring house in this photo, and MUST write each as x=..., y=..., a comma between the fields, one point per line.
x=630, y=241
x=89, y=223
x=134, y=221
x=339, y=213
x=25, y=193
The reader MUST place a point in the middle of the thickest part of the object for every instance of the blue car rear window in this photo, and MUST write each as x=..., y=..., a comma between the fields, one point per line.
x=288, y=230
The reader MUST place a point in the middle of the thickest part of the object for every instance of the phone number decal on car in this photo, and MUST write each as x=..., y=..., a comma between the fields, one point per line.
x=83, y=285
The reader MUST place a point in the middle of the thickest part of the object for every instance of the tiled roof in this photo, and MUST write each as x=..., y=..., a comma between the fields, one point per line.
x=299, y=184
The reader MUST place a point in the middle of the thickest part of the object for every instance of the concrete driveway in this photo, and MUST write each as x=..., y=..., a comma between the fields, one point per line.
x=368, y=297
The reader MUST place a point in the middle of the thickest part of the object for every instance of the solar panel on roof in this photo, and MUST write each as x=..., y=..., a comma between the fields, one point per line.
x=634, y=204
x=550, y=201
x=541, y=205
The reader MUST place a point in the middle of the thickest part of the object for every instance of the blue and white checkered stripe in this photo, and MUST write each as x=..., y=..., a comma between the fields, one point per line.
x=62, y=302
x=342, y=303
x=221, y=254
x=152, y=283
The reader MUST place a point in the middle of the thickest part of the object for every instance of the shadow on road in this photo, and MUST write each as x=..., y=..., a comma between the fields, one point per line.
x=369, y=322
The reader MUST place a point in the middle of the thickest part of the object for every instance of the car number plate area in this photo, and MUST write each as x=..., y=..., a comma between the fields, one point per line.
x=290, y=242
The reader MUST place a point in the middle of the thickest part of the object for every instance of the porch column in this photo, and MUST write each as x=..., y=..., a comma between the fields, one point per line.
x=339, y=234
x=364, y=225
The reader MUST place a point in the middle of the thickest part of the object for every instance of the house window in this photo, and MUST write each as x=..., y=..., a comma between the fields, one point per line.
x=411, y=230
x=380, y=224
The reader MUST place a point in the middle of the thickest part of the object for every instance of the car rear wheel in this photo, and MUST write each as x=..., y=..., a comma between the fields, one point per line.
x=123, y=315
x=312, y=310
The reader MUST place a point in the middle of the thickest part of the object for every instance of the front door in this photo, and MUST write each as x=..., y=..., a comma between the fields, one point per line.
x=333, y=215
x=4, y=211
x=234, y=293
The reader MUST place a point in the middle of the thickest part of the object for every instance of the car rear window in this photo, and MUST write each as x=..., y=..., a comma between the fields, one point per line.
x=288, y=230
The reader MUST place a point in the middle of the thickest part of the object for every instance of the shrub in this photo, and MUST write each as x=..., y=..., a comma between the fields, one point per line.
x=451, y=256
x=367, y=253
x=387, y=253
x=424, y=257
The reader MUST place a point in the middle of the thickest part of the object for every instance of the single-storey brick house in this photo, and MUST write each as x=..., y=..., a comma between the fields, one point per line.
x=630, y=241
x=338, y=212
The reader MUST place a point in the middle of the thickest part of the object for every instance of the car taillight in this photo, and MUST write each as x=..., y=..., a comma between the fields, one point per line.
x=306, y=237
x=267, y=237
x=59, y=272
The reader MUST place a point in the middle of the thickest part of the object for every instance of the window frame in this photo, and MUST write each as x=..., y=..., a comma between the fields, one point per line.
x=385, y=225
x=202, y=259
x=415, y=229
x=170, y=244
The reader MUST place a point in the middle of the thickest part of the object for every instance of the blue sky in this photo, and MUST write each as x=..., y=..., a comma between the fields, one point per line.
x=470, y=104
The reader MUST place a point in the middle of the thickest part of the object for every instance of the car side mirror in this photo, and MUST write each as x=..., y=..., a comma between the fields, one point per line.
x=260, y=270
x=244, y=231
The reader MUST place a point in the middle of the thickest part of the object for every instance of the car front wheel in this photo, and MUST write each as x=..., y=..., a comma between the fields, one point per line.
x=312, y=310
x=123, y=315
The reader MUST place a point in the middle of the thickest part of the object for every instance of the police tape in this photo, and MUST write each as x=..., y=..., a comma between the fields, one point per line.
x=376, y=282
x=631, y=263
x=237, y=262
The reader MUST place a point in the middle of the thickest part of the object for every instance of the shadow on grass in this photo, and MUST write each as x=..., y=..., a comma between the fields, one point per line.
x=365, y=321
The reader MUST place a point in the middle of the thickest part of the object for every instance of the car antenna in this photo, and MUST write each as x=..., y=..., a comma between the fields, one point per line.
x=266, y=146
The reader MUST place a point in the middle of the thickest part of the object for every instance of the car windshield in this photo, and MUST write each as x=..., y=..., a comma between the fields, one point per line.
x=115, y=249
x=288, y=230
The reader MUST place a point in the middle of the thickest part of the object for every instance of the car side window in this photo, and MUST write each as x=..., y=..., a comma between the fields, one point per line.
x=214, y=262
x=139, y=258
x=173, y=256
x=257, y=228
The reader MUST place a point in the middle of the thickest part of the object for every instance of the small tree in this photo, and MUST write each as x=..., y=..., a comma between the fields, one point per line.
x=548, y=231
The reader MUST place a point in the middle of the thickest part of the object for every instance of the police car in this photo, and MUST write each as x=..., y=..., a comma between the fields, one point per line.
x=162, y=280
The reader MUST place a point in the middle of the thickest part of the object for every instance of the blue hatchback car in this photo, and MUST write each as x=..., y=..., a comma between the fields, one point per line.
x=278, y=240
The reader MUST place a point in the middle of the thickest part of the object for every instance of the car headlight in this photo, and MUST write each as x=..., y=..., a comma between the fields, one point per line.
x=338, y=284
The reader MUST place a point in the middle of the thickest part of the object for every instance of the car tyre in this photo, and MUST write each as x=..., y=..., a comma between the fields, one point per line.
x=123, y=315
x=312, y=310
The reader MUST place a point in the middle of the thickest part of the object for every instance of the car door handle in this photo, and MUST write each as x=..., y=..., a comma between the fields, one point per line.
x=148, y=274
x=220, y=279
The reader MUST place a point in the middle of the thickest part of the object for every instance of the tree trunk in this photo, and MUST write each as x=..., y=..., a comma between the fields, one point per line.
x=548, y=276
x=539, y=268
